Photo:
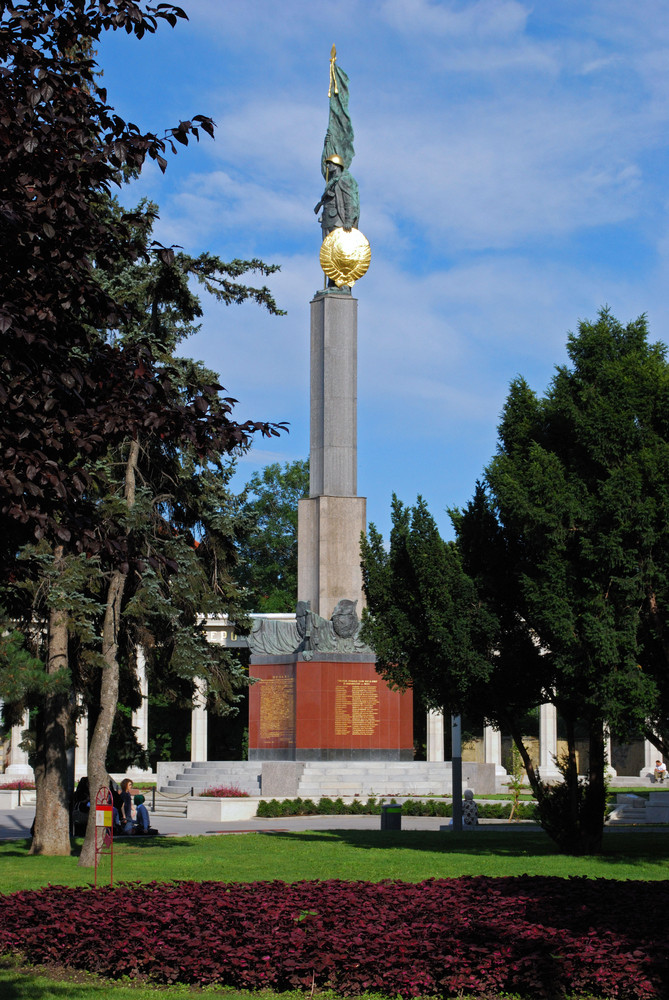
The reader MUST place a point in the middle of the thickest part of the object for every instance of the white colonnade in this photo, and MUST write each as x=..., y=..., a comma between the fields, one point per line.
x=218, y=631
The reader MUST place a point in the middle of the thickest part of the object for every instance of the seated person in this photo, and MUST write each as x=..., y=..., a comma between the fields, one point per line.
x=142, y=822
x=81, y=798
x=128, y=813
x=117, y=802
x=470, y=811
x=660, y=771
x=81, y=806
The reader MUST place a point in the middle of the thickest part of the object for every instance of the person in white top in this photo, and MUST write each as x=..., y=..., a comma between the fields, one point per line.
x=660, y=771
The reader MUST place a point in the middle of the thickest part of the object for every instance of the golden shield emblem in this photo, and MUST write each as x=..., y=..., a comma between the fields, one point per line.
x=345, y=256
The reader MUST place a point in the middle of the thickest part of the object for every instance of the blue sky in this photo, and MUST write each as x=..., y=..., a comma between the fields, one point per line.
x=512, y=161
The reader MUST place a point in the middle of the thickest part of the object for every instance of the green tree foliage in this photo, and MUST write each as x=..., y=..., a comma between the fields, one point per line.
x=520, y=674
x=565, y=552
x=267, y=559
x=87, y=417
x=580, y=486
x=423, y=617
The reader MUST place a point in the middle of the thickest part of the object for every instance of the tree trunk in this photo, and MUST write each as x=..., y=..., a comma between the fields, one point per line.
x=657, y=741
x=517, y=737
x=570, y=774
x=99, y=745
x=594, y=801
x=572, y=812
x=54, y=735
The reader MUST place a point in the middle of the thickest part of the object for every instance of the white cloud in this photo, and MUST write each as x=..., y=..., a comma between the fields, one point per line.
x=511, y=160
x=499, y=18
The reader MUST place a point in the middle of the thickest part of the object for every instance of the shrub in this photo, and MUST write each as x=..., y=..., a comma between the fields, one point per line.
x=410, y=807
x=480, y=937
x=12, y=786
x=267, y=809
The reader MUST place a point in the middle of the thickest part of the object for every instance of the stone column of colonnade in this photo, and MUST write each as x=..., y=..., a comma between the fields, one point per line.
x=435, y=736
x=548, y=744
x=492, y=742
x=608, y=749
x=199, y=723
x=81, y=747
x=140, y=716
x=492, y=751
x=18, y=766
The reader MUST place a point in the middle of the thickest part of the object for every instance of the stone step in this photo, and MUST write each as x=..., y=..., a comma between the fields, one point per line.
x=241, y=765
x=203, y=772
x=334, y=779
x=187, y=780
x=182, y=785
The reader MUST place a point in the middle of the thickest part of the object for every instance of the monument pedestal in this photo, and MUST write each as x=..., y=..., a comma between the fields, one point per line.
x=329, y=708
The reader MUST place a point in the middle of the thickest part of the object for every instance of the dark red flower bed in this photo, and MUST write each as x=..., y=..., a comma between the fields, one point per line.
x=541, y=937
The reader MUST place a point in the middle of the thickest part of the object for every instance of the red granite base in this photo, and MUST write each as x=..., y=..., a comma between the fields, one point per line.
x=325, y=710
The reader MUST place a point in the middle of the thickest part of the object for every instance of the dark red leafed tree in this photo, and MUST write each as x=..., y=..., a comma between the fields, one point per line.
x=67, y=394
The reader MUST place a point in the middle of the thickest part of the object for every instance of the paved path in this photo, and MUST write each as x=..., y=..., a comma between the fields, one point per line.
x=15, y=823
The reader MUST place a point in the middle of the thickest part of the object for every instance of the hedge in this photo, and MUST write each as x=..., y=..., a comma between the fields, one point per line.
x=411, y=807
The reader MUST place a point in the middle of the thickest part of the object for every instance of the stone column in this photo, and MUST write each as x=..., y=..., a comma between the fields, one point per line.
x=18, y=766
x=492, y=752
x=435, y=736
x=492, y=745
x=609, y=769
x=198, y=726
x=331, y=520
x=81, y=747
x=334, y=396
x=140, y=717
x=548, y=742
x=650, y=755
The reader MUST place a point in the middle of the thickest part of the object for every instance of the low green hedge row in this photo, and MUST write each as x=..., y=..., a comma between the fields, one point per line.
x=412, y=807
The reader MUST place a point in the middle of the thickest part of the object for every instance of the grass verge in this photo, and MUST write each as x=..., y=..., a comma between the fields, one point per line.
x=372, y=855
x=19, y=982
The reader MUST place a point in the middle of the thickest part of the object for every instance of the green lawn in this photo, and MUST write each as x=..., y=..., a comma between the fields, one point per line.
x=349, y=854
x=18, y=983
x=24, y=983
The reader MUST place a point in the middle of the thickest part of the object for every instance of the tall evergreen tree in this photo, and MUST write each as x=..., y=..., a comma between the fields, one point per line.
x=565, y=554
x=581, y=485
x=423, y=617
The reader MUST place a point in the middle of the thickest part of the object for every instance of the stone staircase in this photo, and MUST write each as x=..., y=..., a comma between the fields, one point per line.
x=366, y=778
x=639, y=810
x=211, y=774
x=314, y=779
